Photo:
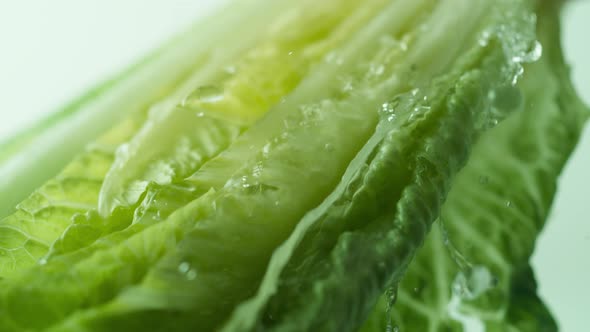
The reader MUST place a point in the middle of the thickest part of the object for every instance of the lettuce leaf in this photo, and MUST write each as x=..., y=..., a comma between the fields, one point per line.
x=200, y=128
x=473, y=271
x=315, y=274
x=36, y=155
x=60, y=215
x=287, y=179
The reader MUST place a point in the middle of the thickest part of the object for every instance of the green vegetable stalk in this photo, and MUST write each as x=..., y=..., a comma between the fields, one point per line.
x=281, y=165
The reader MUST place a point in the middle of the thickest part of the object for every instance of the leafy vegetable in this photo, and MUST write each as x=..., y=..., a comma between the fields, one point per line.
x=242, y=93
x=285, y=179
x=191, y=149
x=473, y=270
x=87, y=117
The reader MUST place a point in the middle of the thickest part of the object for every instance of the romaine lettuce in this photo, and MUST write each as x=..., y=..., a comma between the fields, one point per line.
x=473, y=271
x=285, y=175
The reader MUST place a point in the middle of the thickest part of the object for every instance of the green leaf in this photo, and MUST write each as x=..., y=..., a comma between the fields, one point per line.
x=475, y=273
x=261, y=168
x=342, y=254
x=39, y=153
x=290, y=178
x=230, y=96
x=27, y=234
x=62, y=209
x=180, y=140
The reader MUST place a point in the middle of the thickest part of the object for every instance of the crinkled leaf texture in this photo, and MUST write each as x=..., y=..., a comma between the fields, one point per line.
x=290, y=180
x=343, y=254
x=59, y=216
x=473, y=272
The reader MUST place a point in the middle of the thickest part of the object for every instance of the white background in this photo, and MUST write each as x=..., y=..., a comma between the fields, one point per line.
x=51, y=51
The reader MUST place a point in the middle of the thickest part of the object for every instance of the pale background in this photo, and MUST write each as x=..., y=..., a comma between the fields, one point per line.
x=51, y=51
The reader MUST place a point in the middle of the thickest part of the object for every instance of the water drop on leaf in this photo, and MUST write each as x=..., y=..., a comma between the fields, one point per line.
x=184, y=267
x=203, y=94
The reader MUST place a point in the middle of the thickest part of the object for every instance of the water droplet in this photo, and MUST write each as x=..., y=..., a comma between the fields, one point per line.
x=203, y=94
x=485, y=38
x=508, y=203
x=191, y=275
x=391, y=298
x=387, y=109
x=257, y=170
x=531, y=55
x=290, y=53
x=347, y=86
x=470, y=284
x=329, y=147
x=473, y=282
x=517, y=75
x=184, y=267
x=376, y=70
x=391, y=294
x=468, y=322
x=244, y=182
x=42, y=261
x=265, y=150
